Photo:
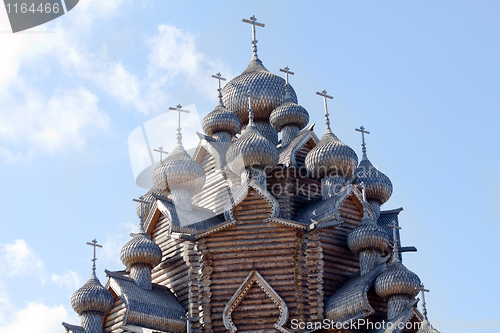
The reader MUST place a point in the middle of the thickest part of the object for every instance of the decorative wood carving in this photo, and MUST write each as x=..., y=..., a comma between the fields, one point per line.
x=255, y=277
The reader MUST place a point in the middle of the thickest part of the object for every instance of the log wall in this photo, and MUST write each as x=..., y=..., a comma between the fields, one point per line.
x=235, y=250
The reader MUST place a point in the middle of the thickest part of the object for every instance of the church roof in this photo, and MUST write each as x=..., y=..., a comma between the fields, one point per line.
x=189, y=222
x=72, y=328
x=350, y=302
x=326, y=212
x=287, y=154
x=156, y=308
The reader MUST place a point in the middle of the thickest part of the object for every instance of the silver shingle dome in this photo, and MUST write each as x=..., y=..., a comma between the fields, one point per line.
x=179, y=170
x=92, y=297
x=331, y=157
x=289, y=114
x=397, y=280
x=221, y=120
x=379, y=185
x=268, y=87
x=251, y=149
x=367, y=236
x=140, y=250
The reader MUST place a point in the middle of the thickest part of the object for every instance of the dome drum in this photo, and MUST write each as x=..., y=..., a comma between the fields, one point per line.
x=141, y=274
x=396, y=305
x=92, y=322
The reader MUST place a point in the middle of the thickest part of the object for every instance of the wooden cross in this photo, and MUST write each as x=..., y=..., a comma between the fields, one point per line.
x=141, y=200
x=250, y=110
x=253, y=22
x=423, y=290
x=287, y=71
x=178, y=108
x=219, y=77
x=363, y=131
x=94, y=244
x=363, y=187
x=161, y=151
x=394, y=231
x=325, y=96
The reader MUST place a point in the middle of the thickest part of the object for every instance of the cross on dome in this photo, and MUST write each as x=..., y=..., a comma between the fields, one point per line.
x=253, y=22
x=287, y=71
x=141, y=200
x=325, y=96
x=250, y=109
x=363, y=187
x=363, y=131
x=395, y=228
x=423, y=291
x=219, y=77
x=178, y=108
x=94, y=244
x=161, y=151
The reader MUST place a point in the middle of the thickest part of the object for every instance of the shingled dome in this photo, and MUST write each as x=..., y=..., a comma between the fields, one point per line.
x=140, y=250
x=289, y=114
x=379, y=186
x=92, y=297
x=268, y=87
x=179, y=170
x=397, y=280
x=367, y=236
x=221, y=120
x=331, y=157
x=251, y=149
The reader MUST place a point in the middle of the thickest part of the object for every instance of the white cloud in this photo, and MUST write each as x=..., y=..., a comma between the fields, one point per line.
x=38, y=317
x=70, y=280
x=173, y=54
x=54, y=124
x=19, y=258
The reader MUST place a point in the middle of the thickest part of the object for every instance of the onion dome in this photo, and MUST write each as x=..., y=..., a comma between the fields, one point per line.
x=397, y=280
x=379, y=185
x=140, y=250
x=220, y=119
x=179, y=170
x=268, y=87
x=251, y=149
x=289, y=114
x=331, y=157
x=367, y=236
x=92, y=297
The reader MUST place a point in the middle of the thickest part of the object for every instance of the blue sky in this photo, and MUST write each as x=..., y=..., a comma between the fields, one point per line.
x=423, y=77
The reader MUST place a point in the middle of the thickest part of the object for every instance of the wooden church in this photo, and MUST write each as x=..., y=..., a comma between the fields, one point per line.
x=256, y=234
